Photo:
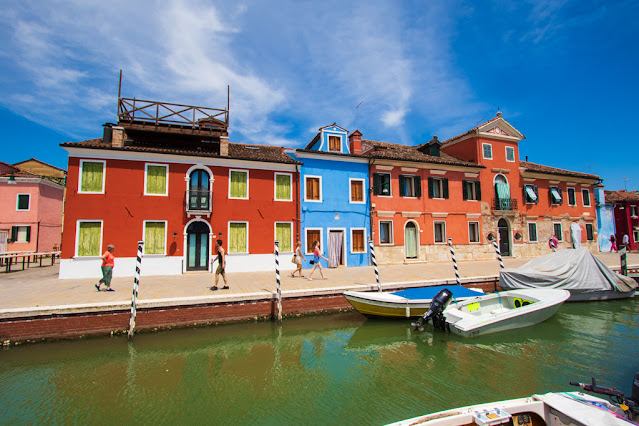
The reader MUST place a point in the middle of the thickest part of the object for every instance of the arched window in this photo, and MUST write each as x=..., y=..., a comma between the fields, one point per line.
x=502, y=193
x=199, y=190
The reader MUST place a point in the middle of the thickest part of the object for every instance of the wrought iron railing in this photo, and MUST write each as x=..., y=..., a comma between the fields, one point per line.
x=198, y=200
x=138, y=110
x=504, y=204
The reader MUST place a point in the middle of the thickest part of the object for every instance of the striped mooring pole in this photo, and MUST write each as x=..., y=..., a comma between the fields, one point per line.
x=370, y=244
x=501, y=262
x=134, y=298
x=277, y=277
x=552, y=245
x=452, y=254
x=624, y=262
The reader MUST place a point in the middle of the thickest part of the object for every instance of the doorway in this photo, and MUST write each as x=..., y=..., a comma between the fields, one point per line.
x=504, y=237
x=197, y=247
x=335, y=248
x=410, y=241
x=4, y=235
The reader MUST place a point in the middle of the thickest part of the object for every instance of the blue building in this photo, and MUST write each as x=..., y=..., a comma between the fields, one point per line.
x=334, y=197
x=605, y=219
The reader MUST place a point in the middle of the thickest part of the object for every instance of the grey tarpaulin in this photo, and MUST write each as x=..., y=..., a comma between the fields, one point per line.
x=566, y=269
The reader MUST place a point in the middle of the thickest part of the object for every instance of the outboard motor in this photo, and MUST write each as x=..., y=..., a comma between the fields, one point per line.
x=629, y=406
x=436, y=311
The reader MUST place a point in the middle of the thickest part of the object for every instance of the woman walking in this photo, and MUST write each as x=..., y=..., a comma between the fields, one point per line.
x=298, y=257
x=108, y=262
x=316, y=260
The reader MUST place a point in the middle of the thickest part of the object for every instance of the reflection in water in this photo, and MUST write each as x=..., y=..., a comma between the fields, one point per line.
x=318, y=370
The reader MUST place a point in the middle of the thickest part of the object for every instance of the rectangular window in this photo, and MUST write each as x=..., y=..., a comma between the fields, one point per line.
x=437, y=187
x=440, y=232
x=633, y=211
x=154, y=237
x=283, y=187
x=20, y=234
x=238, y=184
x=313, y=188
x=410, y=186
x=635, y=234
x=22, y=202
x=89, y=238
x=590, y=232
x=585, y=194
x=91, y=176
x=386, y=232
x=510, y=154
x=531, y=194
x=472, y=190
x=312, y=235
x=238, y=237
x=473, y=232
x=358, y=241
x=357, y=190
x=487, y=151
x=156, y=179
x=335, y=143
x=572, y=200
x=555, y=195
x=556, y=227
x=284, y=234
x=532, y=232
x=382, y=184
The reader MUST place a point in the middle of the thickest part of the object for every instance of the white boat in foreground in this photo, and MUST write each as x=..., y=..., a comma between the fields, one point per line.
x=565, y=408
x=503, y=311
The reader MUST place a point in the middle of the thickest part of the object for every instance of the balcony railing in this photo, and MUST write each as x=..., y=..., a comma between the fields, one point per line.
x=201, y=118
x=504, y=204
x=198, y=200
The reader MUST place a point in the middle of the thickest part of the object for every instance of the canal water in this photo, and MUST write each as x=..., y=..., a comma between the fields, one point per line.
x=334, y=369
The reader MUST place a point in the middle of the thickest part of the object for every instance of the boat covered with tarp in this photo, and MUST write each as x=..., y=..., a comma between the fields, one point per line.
x=579, y=271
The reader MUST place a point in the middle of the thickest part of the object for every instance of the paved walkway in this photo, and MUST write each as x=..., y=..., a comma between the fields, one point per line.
x=39, y=287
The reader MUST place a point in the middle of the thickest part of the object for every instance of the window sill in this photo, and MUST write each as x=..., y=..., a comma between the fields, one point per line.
x=155, y=195
x=238, y=198
x=358, y=252
x=357, y=202
x=86, y=258
x=284, y=200
x=237, y=254
x=154, y=255
x=90, y=192
x=312, y=201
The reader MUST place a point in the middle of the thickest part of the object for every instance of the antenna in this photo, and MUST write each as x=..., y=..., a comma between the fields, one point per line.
x=590, y=165
x=624, y=184
x=357, y=114
x=117, y=110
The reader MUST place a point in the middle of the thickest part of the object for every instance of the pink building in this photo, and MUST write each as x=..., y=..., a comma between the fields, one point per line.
x=30, y=211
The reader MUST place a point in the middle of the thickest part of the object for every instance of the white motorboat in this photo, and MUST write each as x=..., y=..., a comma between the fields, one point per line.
x=503, y=311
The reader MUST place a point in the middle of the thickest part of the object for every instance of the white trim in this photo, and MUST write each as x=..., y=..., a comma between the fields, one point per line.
x=320, y=189
x=80, y=176
x=19, y=226
x=583, y=200
x=553, y=200
x=390, y=184
x=275, y=236
x=502, y=175
x=441, y=188
x=568, y=196
x=166, y=228
x=77, y=236
x=228, y=237
x=483, y=152
x=341, y=141
x=185, y=242
x=365, y=241
x=146, y=171
x=383, y=167
x=560, y=237
x=290, y=176
x=417, y=238
x=437, y=172
x=344, y=245
x=326, y=155
x=478, y=232
x=536, y=232
x=445, y=239
x=350, y=196
x=471, y=175
x=409, y=169
x=247, y=184
x=513, y=149
x=18, y=203
x=392, y=232
x=382, y=213
x=412, y=176
x=321, y=240
x=530, y=195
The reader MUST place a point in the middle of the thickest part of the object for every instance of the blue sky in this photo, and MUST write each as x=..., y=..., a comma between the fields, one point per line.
x=564, y=73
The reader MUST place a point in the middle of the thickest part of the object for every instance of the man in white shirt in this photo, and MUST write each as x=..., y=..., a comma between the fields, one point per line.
x=626, y=242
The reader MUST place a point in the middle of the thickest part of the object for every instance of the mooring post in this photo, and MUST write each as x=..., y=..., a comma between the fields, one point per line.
x=624, y=263
x=277, y=277
x=134, y=298
x=370, y=244
x=501, y=262
x=452, y=254
x=552, y=245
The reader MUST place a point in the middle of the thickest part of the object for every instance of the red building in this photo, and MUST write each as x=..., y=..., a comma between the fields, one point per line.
x=178, y=185
x=626, y=210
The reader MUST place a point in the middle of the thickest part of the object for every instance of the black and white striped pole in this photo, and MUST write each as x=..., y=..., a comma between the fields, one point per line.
x=552, y=245
x=136, y=283
x=370, y=244
x=452, y=254
x=277, y=277
x=501, y=262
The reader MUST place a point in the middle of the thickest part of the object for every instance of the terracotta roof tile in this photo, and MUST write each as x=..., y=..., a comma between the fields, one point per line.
x=619, y=196
x=394, y=151
x=471, y=131
x=532, y=167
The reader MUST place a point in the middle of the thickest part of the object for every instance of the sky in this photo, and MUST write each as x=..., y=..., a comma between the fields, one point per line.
x=560, y=71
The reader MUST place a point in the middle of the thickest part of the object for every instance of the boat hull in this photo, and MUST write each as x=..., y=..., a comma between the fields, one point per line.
x=581, y=296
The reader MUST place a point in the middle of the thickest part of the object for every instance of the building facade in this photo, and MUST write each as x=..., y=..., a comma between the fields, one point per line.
x=626, y=216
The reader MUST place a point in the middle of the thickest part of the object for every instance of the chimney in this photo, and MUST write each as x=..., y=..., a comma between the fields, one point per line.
x=117, y=136
x=355, y=141
x=224, y=146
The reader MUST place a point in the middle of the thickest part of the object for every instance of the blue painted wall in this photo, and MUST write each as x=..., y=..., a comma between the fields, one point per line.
x=605, y=220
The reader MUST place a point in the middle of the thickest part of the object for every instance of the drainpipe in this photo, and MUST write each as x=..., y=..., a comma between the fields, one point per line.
x=37, y=237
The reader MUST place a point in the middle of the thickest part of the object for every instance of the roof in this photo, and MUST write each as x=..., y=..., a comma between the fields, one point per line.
x=471, y=131
x=23, y=174
x=237, y=151
x=41, y=162
x=532, y=167
x=620, y=196
x=395, y=151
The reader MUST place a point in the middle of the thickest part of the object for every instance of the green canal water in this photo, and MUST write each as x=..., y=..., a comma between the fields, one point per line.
x=336, y=369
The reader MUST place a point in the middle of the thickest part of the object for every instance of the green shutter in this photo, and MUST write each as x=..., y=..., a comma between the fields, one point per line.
x=465, y=189
x=377, y=184
x=89, y=239
x=237, y=238
x=238, y=184
x=156, y=180
x=402, y=185
x=418, y=186
x=282, y=187
x=536, y=193
x=14, y=233
x=431, y=185
x=283, y=235
x=478, y=190
x=92, y=176
x=154, y=237
x=28, y=233
x=445, y=185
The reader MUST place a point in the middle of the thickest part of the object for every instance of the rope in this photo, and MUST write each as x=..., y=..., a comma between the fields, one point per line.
x=501, y=262
x=277, y=277
x=452, y=254
x=370, y=244
x=134, y=298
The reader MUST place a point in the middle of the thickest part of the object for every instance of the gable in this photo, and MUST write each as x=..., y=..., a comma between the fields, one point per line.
x=331, y=139
x=500, y=129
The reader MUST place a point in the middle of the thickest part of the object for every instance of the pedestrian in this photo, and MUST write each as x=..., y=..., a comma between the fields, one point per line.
x=108, y=262
x=221, y=266
x=316, y=260
x=626, y=241
x=297, y=259
x=613, y=244
x=553, y=241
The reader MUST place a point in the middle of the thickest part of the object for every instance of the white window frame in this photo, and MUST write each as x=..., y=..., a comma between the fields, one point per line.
x=473, y=184
x=166, y=231
x=510, y=148
x=321, y=192
x=17, y=232
x=583, y=200
x=552, y=199
x=478, y=232
x=247, y=184
x=392, y=233
x=444, y=233
x=592, y=225
x=483, y=151
x=390, y=185
x=635, y=209
x=635, y=235
x=328, y=142
x=568, y=196
x=290, y=177
x=365, y=241
x=440, y=182
x=275, y=235
x=228, y=233
x=560, y=237
x=77, y=236
x=18, y=203
x=321, y=240
x=412, y=177
x=350, y=195
x=526, y=196
x=166, y=185
x=80, y=176
x=536, y=232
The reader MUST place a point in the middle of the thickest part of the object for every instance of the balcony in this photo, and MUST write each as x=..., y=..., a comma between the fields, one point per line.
x=198, y=202
x=504, y=204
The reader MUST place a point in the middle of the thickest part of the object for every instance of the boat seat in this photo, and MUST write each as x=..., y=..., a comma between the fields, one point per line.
x=499, y=310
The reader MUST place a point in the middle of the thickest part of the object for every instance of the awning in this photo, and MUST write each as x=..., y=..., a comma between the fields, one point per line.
x=555, y=195
x=531, y=193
